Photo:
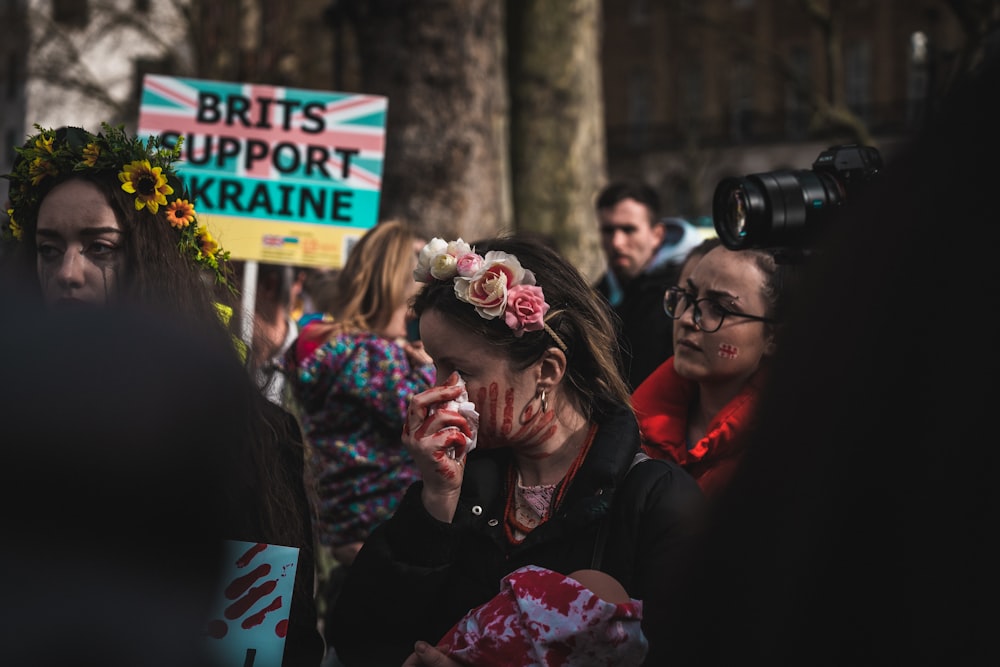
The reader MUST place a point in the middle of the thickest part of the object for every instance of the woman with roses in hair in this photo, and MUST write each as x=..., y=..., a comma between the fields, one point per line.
x=527, y=450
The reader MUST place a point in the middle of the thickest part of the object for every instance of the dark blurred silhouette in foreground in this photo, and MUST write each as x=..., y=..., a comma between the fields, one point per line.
x=856, y=530
x=116, y=427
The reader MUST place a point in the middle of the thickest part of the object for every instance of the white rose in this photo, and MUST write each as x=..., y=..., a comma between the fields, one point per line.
x=458, y=247
x=434, y=247
x=444, y=266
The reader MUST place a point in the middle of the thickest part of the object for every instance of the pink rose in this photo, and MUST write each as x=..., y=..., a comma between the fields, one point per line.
x=469, y=264
x=526, y=309
x=487, y=291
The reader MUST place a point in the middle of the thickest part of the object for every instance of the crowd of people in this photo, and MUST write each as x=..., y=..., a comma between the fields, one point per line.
x=506, y=462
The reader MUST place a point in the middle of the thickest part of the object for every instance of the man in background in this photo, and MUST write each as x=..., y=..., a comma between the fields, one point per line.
x=641, y=265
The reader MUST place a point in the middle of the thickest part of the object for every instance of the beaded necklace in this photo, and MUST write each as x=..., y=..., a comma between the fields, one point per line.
x=511, y=523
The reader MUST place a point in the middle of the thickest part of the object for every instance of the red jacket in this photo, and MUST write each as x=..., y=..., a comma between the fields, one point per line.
x=662, y=404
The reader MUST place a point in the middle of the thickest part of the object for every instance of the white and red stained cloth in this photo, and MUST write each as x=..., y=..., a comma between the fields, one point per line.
x=543, y=618
x=463, y=406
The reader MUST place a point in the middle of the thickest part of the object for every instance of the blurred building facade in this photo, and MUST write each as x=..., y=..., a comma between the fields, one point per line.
x=699, y=90
x=13, y=78
x=81, y=62
x=694, y=90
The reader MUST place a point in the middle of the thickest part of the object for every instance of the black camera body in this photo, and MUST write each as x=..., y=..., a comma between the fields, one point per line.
x=785, y=208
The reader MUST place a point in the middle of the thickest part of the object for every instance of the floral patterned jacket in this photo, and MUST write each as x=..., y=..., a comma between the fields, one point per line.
x=352, y=391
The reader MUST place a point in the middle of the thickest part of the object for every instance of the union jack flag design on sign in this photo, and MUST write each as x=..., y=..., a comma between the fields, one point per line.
x=257, y=156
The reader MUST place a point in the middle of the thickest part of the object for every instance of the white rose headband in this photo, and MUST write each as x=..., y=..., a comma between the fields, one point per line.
x=495, y=285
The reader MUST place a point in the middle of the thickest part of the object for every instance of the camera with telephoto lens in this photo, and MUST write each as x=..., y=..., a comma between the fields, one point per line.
x=785, y=208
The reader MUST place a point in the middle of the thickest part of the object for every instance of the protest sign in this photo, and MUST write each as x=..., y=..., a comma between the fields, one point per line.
x=250, y=622
x=280, y=175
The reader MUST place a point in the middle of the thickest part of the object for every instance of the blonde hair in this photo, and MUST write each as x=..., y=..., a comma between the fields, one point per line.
x=376, y=279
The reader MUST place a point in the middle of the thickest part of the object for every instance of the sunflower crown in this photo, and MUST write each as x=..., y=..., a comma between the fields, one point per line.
x=144, y=169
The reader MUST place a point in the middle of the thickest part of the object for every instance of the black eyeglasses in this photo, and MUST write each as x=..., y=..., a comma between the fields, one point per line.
x=709, y=320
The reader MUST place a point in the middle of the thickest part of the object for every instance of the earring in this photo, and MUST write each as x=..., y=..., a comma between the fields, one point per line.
x=545, y=402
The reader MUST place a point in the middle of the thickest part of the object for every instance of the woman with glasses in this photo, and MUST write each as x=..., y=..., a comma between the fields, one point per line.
x=694, y=408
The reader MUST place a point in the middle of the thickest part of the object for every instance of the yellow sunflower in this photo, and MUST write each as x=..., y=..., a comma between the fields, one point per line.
x=44, y=143
x=180, y=214
x=206, y=243
x=15, y=229
x=90, y=154
x=40, y=168
x=148, y=184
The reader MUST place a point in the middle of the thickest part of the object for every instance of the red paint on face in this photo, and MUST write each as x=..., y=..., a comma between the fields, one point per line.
x=727, y=351
x=534, y=430
x=487, y=418
x=494, y=398
x=544, y=432
x=508, y=411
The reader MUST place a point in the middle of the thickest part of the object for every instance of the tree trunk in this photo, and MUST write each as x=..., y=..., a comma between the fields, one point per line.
x=557, y=124
x=440, y=63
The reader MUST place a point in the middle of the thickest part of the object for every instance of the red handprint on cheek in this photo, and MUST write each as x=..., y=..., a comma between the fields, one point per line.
x=535, y=428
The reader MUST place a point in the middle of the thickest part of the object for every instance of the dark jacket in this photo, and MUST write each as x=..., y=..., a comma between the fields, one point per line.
x=416, y=576
x=647, y=334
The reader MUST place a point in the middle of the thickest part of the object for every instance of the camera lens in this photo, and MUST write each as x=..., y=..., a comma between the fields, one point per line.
x=735, y=215
x=788, y=208
x=736, y=199
x=773, y=208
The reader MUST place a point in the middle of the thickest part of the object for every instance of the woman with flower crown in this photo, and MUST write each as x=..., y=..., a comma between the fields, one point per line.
x=102, y=220
x=528, y=453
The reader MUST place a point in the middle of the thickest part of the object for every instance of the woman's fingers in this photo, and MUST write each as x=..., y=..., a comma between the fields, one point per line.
x=422, y=406
x=425, y=655
x=442, y=419
x=438, y=438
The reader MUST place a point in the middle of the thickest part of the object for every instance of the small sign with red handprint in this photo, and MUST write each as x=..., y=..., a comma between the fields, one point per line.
x=250, y=621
